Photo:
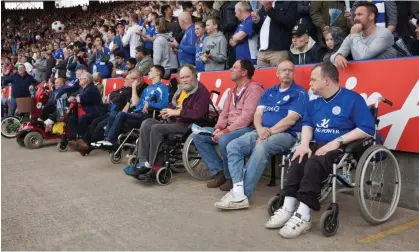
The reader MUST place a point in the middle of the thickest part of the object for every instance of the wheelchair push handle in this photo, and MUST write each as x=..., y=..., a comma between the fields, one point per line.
x=215, y=92
x=386, y=101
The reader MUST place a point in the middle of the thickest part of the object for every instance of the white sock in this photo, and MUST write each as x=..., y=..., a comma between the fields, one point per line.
x=289, y=204
x=304, y=211
x=238, y=188
x=147, y=164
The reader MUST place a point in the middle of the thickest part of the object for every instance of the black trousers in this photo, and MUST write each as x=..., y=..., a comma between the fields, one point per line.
x=95, y=131
x=48, y=111
x=304, y=181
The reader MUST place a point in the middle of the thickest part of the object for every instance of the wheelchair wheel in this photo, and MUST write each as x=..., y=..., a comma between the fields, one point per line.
x=33, y=140
x=62, y=147
x=10, y=126
x=378, y=182
x=116, y=158
x=274, y=204
x=20, y=140
x=328, y=224
x=192, y=161
x=164, y=176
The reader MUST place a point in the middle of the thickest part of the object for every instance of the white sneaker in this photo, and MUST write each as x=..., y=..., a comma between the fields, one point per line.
x=295, y=227
x=232, y=201
x=280, y=217
x=49, y=122
x=106, y=143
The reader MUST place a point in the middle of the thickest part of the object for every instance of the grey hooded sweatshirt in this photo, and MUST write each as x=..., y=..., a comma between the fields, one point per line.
x=162, y=54
x=217, y=44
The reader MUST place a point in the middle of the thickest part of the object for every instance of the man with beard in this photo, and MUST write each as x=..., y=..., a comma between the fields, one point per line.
x=189, y=105
x=367, y=40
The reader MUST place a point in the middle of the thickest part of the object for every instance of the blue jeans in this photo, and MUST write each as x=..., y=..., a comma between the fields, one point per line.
x=111, y=119
x=206, y=148
x=3, y=107
x=245, y=145
x=112, y=132
x=12, y=106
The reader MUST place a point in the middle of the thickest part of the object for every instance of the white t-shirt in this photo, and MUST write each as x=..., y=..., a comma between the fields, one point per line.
x=132, y=39
x=112, y=57
x=28, y=67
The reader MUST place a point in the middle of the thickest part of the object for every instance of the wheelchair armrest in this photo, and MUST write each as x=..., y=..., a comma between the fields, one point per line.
x=359, y=145
x=173, y=136
x=154, y=113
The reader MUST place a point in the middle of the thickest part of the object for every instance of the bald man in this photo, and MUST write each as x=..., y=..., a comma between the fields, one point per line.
x=277, y=121
x=186, y=48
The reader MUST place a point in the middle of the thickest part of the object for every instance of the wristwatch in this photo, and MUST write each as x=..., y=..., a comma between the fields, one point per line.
x=340, y=140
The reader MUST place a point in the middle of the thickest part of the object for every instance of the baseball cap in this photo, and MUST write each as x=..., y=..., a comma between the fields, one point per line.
x=81, y=67
x=299, y=29
x=121, y=22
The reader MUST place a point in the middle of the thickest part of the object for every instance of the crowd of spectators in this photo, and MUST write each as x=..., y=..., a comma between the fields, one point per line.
x=114, y=38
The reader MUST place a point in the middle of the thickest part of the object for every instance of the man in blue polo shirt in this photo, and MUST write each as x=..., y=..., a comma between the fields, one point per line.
x=277, y=121
x=339, y=116
x=244, y=32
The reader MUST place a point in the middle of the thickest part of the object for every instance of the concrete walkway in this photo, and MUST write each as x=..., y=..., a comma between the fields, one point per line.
x=63, y=201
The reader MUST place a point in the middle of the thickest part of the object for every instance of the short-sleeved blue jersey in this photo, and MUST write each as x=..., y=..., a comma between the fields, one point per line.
x=59, y=54
x=277, y=104
x=243, y=48
x=338, y=116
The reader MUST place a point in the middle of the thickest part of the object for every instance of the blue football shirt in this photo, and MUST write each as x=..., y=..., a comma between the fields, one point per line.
x=338, y=116
x=277, y=104
x=243, y=48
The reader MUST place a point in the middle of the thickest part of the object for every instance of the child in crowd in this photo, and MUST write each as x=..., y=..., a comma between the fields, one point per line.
x=333, y=39
x=199, y=44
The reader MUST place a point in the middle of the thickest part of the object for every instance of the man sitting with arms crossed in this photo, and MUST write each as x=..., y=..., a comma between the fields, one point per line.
x=234, y=121
x=277, y=121
x=339, y=116
x=155, y=96
x=189, y=105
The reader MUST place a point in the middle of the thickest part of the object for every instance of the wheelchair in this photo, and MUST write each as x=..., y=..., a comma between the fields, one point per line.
x=178, y=151
x=364, y=157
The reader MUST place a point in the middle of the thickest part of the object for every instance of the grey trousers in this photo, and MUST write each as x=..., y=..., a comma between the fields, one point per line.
x=151, y=134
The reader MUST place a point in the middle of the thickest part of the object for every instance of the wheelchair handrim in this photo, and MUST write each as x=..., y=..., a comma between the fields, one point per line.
x=362, y=183
x=190, y=166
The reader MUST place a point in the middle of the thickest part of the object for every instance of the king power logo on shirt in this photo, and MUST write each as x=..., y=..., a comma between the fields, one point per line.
x=271, y=109
x=323, y=128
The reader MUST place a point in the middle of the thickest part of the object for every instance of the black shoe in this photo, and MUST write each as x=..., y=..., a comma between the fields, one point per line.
x=141, y=171
x=148, y=176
